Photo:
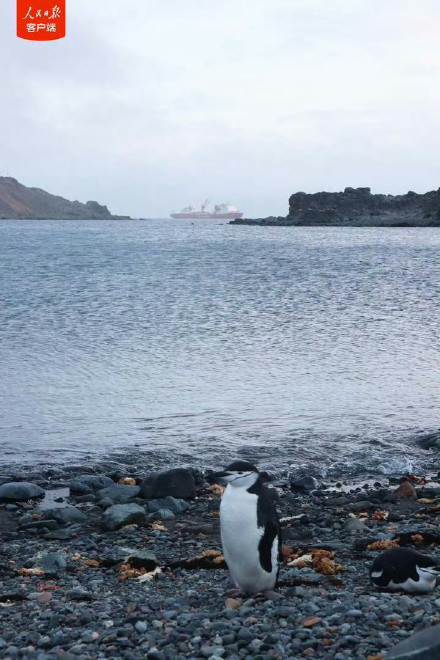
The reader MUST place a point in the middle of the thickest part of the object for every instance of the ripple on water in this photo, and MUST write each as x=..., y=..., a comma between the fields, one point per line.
x=313, y=346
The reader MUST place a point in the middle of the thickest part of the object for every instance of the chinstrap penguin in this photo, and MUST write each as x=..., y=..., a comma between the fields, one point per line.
x=406, y=570
x=250, y=530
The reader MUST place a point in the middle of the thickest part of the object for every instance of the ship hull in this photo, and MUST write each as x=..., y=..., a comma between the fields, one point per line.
x=197, y=215
x=207, y=216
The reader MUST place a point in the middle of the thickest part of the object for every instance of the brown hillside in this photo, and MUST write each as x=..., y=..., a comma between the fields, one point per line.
x=20, y=202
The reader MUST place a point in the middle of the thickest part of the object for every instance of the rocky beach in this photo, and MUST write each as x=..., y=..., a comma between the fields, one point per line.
x=105, y=562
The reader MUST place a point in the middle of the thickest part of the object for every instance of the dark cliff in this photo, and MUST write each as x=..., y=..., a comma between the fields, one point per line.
x=357, y=207
x=20, y=202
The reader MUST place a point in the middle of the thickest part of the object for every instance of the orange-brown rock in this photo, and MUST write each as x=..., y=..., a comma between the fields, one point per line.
x=406, y=491
x=311, y=621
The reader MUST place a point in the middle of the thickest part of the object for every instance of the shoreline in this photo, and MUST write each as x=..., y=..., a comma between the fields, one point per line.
x=58, y=466
x=67, y=590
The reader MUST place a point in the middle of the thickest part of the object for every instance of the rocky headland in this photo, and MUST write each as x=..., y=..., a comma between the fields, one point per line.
x=126, y=564
x=18, y=202
x=356, y=207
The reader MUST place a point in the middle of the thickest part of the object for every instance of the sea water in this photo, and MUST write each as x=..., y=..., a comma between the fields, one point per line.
x=316, y=347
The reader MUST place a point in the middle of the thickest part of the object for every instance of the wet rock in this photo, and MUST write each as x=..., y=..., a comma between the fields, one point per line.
x=178, y=482
x=39, y=525
x=380, y=495
x=423, y=645
x=430, y=440
x=118, y=493
x=85, y=484
x=304, y=484
x=119, y=515
x=339, y=501
x=7, y=522
x=105, y=502
x=173, y=504
x=65, y=515
x=361, y=505
x=78, y=593
x=85, y=498
x=26, y=518
x=426, y=491
x=20, y=491
x=61, y=534
x=161, y=514
x=199, y=476
x=405, y=507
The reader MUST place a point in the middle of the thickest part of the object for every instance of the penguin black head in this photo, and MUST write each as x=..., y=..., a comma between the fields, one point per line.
x=405, y=569
x=241, y=466
x=239, y=474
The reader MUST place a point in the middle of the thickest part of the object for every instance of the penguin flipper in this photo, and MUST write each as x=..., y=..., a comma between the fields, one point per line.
x=271, y=532
x=268, y=522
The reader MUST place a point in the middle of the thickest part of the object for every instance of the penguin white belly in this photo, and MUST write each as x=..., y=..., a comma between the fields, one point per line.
x=426, y=582
x=240, y=540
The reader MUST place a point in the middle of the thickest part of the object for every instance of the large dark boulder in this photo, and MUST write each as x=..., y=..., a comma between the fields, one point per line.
x=429, y=440
x=20, y=491
x=178, y=482
x=65, y=515
x=143, y=559
x=118, y=493
x=304, y=484
x=119, y=515
x=85, y=484
x=172, y=504
x=423, y=645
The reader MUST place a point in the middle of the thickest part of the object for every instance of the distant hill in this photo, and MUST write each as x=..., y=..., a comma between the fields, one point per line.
x=20, y=202
x=357, y=207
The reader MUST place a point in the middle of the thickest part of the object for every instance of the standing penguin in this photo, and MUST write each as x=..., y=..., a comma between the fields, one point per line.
x=406, y=570
x=250, y=530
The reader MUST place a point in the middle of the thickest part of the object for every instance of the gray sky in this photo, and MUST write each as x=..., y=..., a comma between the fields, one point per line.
x=148, y=105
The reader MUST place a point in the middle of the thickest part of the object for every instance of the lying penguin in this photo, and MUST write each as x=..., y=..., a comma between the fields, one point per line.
x=406, y=570
x=250, y=530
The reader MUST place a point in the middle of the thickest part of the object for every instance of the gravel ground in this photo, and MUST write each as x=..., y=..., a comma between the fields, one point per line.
x=68, y=592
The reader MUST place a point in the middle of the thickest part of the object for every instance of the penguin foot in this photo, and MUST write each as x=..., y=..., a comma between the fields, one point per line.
x=272, y=595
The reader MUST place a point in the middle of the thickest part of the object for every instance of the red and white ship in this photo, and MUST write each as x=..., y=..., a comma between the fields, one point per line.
x=224, y=211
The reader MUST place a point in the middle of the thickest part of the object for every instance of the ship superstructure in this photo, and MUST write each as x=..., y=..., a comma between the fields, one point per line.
x=223, y=211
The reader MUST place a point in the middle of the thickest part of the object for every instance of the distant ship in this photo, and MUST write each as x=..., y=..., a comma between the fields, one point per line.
x=224, y=211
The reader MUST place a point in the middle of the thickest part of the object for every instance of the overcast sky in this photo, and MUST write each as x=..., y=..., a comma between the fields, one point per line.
x=148, y=105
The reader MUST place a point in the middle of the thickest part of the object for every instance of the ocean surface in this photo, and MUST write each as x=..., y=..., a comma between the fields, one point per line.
x=316, y=348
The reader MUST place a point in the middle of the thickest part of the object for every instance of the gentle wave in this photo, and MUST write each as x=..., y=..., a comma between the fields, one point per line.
x=313, y=347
